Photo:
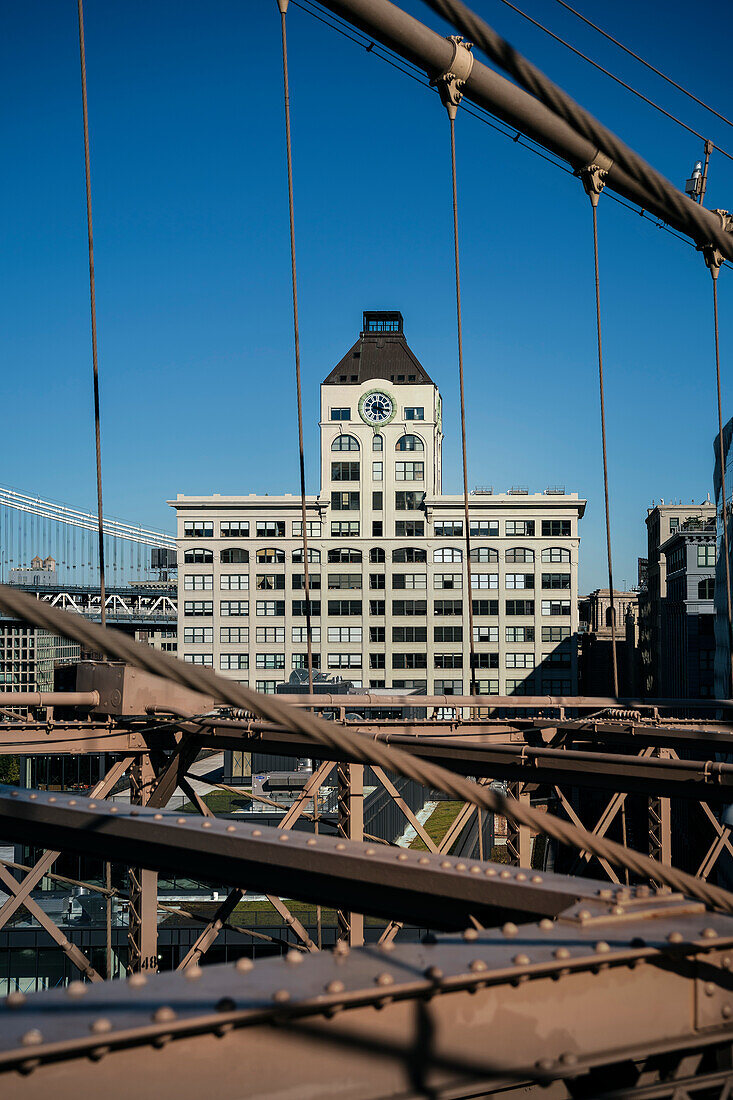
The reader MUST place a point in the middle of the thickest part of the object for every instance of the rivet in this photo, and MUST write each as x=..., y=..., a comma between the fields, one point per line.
x=434, y=973
x=16, y=794
x=72, y=802
x=709, y=989
x=284, y=837
x=490, y=872
x=726, y=1012
x=460, y=867
x=477, y=964
x=157, y=817
x=423, y=860
x=15, y=999
x=244, y=965
x=293, y=958
x=92, y=805
x=618, y=910
x=505, y=874
x=602, y=947
x=340, y=846
x=470, y=934
x=101, y=1026
x=164, y=1014
x=725, y=962
x=546, y=924
x=509, y=929
x=402, y=857
x=113, y=809
x=231, y=828
x=475, y=870
x=561, y=953
x=709, y=934
x=369, y=851
x=605, y=893
x=137, y=980
x=256, y=832
x=192, y=973
x=521, y=960
x=32, y=1038
x=76, y=989
x=545, y=1064
x=446, y=864
x=205, y=824
x=280, y=996
x=52, y=798
x=335, y=986
x=584, y=914
x=311, y=841
x=384, y=979
x=536, y=878
x=568, y=1058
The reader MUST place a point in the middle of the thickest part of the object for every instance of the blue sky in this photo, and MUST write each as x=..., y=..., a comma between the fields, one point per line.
x=192, y=257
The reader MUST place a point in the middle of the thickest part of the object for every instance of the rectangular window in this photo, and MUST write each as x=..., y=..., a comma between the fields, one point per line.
x=484, y=528
x=197, y=529
x=449, y=687
x=520, y=660
x=299, y=635
x=448, y=580
x=206, y=659
x=344, y=607
x=299, y=608
x=409, y=471
x=270, y=582
x=556, y=607
x=409, y=528
x=520, y=687
x=340, y=414
x=378, y=501
x=520, y=607
x=344, y=528
x=314, y=581
x=234, y=529
x=231, y=581
x=300, y=660
x=706, y=554
x=409, y=660
x=560, y=658
x=415, y=413
x=345, y=471
x=198, y=582
x=377, y=471
x=448, y=528
x=345, y=502
x=270, y=660
x=198, y=608
x=376, y=633
x=486, y=634
x=234, y=607
x=233, y=634
x=344, y=580
x=407, y=500
x=270, y=607
x=556, y=527
x=409, y=580
x=555, y=633
x=409, y=607
x=486, y=660
x=376, y=581
x=556, y=580
x=448, y=633
x=520, y=633
x=448, y=607
x=197, y=635
x=519, y=580
x=270, y=528
x=448, y=660
x=376, y=607
x=344, y=660
x=266, y=687
x=484, y=580
x=344, y=634
x=414, y=685
x=376, y=660
x=409, y=634
x=237, y=661
x=487, y=687
x=556, y=687
x=312, y=528
x=519, y=527
x=485, y=607
x=270, y=634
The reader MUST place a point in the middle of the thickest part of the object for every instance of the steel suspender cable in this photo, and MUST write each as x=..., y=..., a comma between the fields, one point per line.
x=92, y=297
x=714, y=269
x=469, y=592
x=283, y=6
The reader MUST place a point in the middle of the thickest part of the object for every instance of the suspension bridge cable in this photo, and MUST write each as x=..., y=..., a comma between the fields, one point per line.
x=283, y=6
x=714, y=268
x=92, y=297
x=612, y=76
x=645, y=63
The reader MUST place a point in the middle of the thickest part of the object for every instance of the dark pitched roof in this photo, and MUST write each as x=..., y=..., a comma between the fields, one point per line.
x=380, y=352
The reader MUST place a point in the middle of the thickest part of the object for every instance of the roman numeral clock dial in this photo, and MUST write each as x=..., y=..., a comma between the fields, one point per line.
x=376, y=407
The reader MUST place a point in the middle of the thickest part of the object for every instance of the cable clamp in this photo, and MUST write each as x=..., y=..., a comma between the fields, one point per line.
x=593, y=175
x=713, y=256
x=450, y=84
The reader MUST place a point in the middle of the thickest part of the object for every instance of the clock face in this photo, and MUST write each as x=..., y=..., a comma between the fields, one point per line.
x=376, y=407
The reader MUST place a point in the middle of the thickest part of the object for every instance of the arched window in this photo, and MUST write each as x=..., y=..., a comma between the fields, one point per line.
x=313, y=555
x=484, y=553
x=610, y=615
x=408, y=554
x=520, y=553
x=198, y=556
x=376, y=555
x=410, y=443
x=344, y=554
x=271, y=556
x=234, y=555
x=377, y=443
x=706, y=589
x=556, y=553
x=345, y=443
x=448, y=553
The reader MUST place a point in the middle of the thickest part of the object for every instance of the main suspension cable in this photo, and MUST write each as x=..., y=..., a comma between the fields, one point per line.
x=93, y=303
x=283, y=6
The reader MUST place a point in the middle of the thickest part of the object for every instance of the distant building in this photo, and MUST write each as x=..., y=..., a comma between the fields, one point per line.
x=688, y=612
x=40, y=571
x=595, y=663
x=29, y=657
x=662, y=521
